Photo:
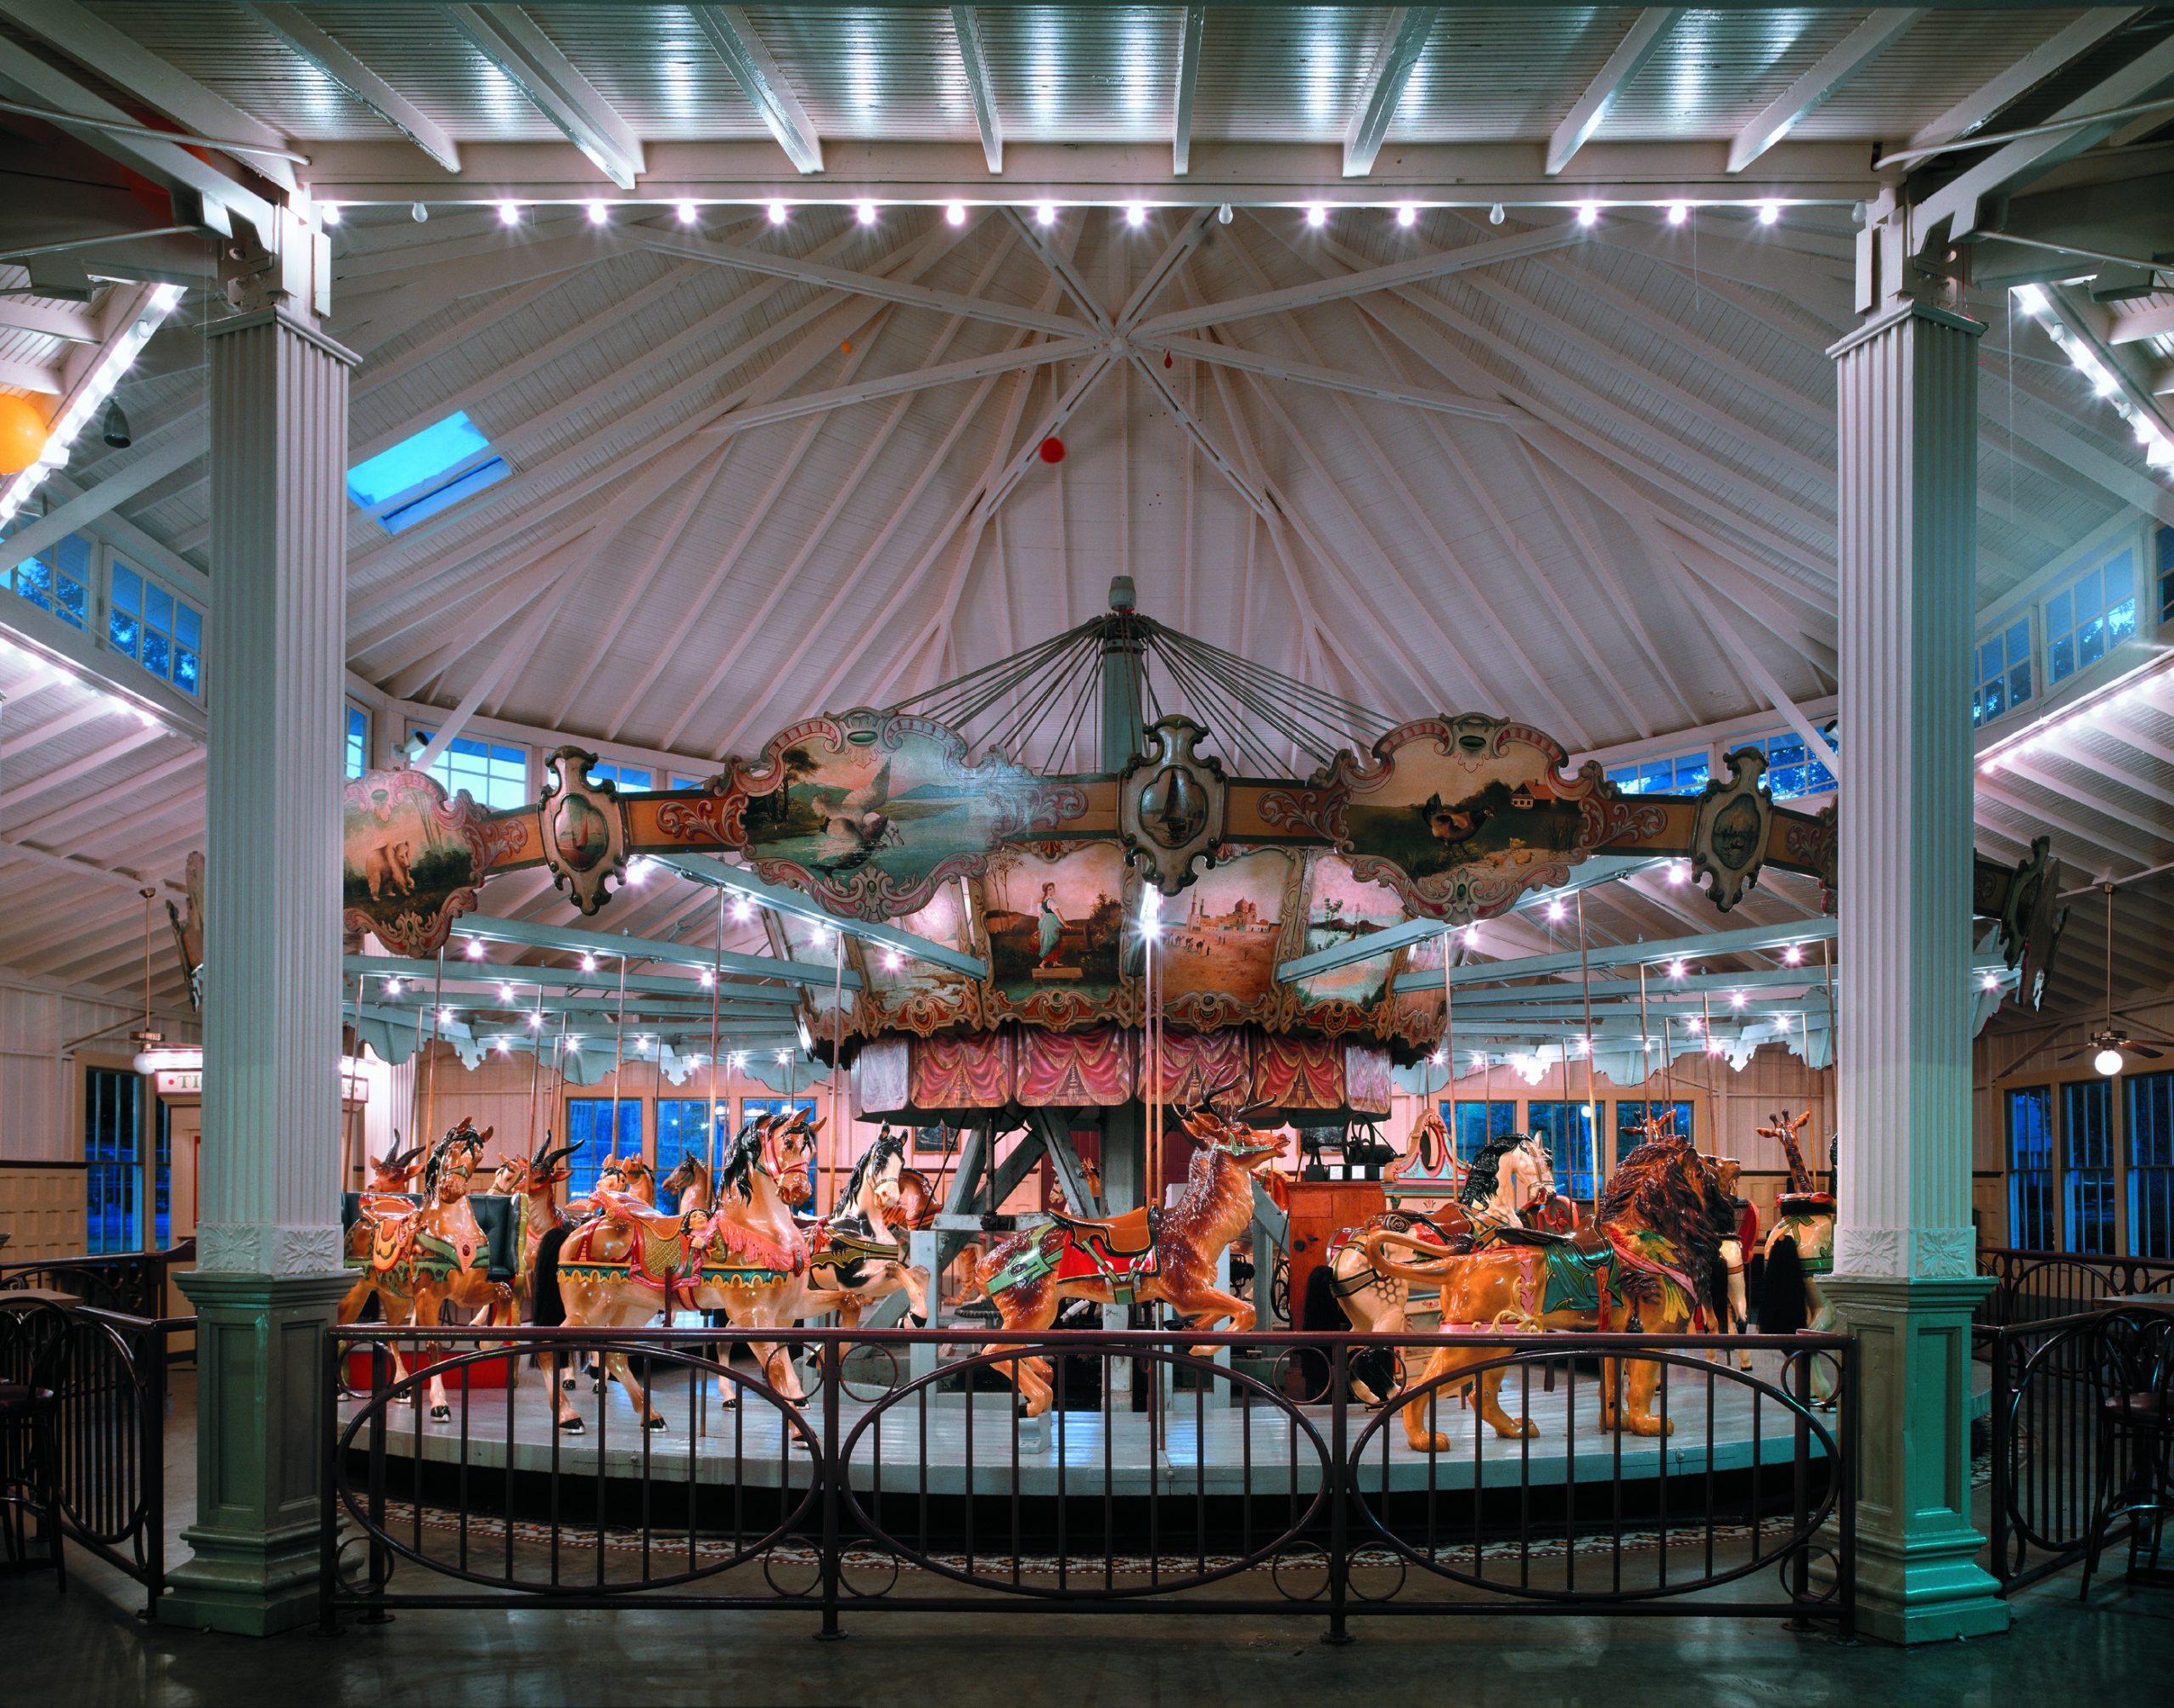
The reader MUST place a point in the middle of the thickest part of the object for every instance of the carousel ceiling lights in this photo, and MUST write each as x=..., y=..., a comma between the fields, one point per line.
x=686, y=213
x=2133, y=689
x=599, y=214
x=777, y=213
x=866, y=213
x=2143, y=422
x=509, y=213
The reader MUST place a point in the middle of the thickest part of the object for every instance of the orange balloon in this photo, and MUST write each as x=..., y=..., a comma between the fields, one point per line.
x=22, y=434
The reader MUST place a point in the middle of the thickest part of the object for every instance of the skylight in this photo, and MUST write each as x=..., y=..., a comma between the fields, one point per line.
x=423, y=474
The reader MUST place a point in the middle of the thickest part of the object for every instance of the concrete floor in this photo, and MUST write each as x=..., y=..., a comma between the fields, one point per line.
x=89, y=1648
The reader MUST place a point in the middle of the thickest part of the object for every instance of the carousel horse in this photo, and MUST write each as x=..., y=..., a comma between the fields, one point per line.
x=1645, y=1265
x=533, y=1183
x=1798, y=1253
x=421, y=1258
x=1742, y=1237
x=743, y=1256
x=629, y=1175
x=856, y=1259
x=1145, y=1253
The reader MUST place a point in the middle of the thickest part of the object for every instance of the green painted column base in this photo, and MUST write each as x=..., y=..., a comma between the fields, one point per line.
x=1917, y=1577
x=259, y=1450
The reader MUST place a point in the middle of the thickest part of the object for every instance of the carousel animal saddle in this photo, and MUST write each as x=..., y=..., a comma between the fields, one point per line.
x=1128, y=1235
x=850, y=1238
x=1119, y=1249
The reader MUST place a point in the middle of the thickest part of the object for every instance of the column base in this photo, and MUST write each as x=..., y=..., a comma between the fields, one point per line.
x=1917, y=1577
x=259, y=1452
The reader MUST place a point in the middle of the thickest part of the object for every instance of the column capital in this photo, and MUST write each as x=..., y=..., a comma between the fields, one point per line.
x=1886, y=318
x=287, y=321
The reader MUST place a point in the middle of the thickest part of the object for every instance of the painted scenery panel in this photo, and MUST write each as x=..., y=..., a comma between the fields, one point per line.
x=1342, y=909
x=913, y=993
x=1224, y=941
x=1453, y=797
x=1056, y=926
x=409, y=860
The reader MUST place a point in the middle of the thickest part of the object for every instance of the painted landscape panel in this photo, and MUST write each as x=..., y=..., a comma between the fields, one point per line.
x=1219, y=934
x=1057, y=925
x=1341, y=909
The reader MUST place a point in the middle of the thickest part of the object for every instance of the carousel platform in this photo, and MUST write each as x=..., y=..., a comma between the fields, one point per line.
x=1196, y=1442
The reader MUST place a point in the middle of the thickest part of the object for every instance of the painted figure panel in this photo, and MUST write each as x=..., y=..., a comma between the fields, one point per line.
x=1060, y=940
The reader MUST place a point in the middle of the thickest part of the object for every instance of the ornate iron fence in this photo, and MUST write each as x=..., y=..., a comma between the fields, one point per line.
x=2051, y=1456
x=2032, y=1286
x=1172, y=1471
x=109, y=1435
x=132, y=1282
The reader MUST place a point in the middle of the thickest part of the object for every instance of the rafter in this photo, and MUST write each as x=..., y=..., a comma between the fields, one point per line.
x=1403, y=39
x=733, y=34
x=1647, y=31
x=2013, y=81
x=296, y=28
x=1812, y=90
x=531, y=62
x=1190, y=31
x=966, y=27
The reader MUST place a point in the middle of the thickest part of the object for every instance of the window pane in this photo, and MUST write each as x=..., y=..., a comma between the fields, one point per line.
x=112, y=1112
x=2151, y=1164
x=127, y=589
x=460, y=486
x=415, y=461
x=2030, y=1168
x=1477, y=1121
x=158, y=606
x=1566, y=1128
x=2086, y=1128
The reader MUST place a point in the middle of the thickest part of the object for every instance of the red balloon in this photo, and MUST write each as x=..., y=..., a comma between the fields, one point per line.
x=1052, y=450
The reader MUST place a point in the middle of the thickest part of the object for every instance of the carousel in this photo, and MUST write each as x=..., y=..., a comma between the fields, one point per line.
x=1170, y=988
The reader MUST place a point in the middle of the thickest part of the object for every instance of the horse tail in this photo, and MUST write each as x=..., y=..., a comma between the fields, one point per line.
x=1432, y=1274
x=547, y=1309
x=1782, y=1298
x=1321, y=1310
x=1717, y=1287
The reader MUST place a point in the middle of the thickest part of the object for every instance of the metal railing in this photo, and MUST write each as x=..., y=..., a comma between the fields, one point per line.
x=133, y=1282
x=1173, y=1472
x=2052, y=1458
x=2033, y=1286
x=109, y=1430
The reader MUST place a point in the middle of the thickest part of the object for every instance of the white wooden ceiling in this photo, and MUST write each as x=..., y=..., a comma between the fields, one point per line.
x=1628, y=498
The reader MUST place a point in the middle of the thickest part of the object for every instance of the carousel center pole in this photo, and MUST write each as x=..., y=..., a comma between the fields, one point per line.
x=437, y=1008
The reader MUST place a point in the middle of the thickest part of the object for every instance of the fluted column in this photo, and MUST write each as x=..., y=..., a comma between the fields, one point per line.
x=268, y=1261
x=1905, y=1271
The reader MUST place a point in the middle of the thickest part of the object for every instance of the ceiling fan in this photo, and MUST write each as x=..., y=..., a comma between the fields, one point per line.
x=2110, y=1046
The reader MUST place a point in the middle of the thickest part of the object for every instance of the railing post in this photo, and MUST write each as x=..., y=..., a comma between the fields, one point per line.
x=381, y=1558
x=2002, y=1430
x=832, y=1468
x=328, y=1546
x=1338, y=1473
x=151, y=1455
x=1846, y=1553
x=1798, y=1374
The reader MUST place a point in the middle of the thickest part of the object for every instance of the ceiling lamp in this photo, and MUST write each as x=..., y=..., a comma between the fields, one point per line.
x=1588, y=213
x=777, y=213
x=510, y=213
x=687, y=214
x=1045, y=213
x=956, y=214
x=2108, y=1062
x=1406, y=215
x=1677, y=213
x=867, y=214
x=1136, y=214
x=1769, y=212
x=148, y=1040
x=116, y=431
x=1316, y=215
x=597, y=213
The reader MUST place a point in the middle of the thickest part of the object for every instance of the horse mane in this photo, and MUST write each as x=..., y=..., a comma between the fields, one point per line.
x=887, y=1146
x=735, y=1173
x=1483, y=1179
x=434, y=1169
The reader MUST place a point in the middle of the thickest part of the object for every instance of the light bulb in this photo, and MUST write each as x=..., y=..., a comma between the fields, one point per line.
x=1406, y=215
x=956, y=214
x=509, y=213
x=330, y=211
x=1555, y=910
x=709, y=978
x=1436, y=1058
x=1588, y=213
x=777, y=213
x=867, y=212
x=1738, y=999
x=392, y=987
x=535, y=1022
x=1677, y=213
x=1136, y=214
x=1045, y=214
x=687, y=215
x=892, y=961
x=589, y=963
x=785, y=1058
x=506, y=993
x=597, y=213
x=505, y=1046
x=1769, y=212
x=1317, y=215
x=1675, y=969
x=1478, y=1059
x=1472, y=936
x=1794, y=953
x=1495, y=215
x=445, y=1017
x=743, y=910
x=2108, y=1062
x=475, y=948
x=1990, y=981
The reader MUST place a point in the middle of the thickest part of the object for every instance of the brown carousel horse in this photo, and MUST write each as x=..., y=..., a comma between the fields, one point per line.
x=744, y=1257
x=1646, y=1264
x=533, y=1183
x=1511, y=1183
x=418, y=1259
x=1145, y=1253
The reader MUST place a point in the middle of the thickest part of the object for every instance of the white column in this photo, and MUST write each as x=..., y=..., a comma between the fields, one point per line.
x=278, y=620
x=1904, y=1279
x=268, y=1269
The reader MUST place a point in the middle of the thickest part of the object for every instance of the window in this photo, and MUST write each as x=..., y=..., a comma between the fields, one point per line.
x=2151, y=1164
x=113, y=1159
x=58, y=579
x=2087, y=1136
x=1567, y=1131
x=421, y=475
x=751, y=1107
x=588, y=1131
x=1478, y=1122
x=496, y=774
x=160, y=630
x=358, y=741
x=162, y=1178
x=2004, y=673
x=626, y=777
x=682, y=1129
x=2092, y=616
x=2163, y=562
x=2030, y=1169
x=1680, y=774
x=1790, y=769
x=1628, y=1115
x=679, y=782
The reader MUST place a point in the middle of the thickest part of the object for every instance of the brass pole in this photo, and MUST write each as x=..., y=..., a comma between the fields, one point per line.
x=1592, y=1106
x=437, y=1000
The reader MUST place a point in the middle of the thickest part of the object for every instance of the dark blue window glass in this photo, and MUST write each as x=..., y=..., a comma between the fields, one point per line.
x=2151, y=1164
x=1478, y=1121
x=113, y=1159
x=682, y=1127
x=1628, y=1115
x=1567, y=1131
x=588, y=1128
x=2087, y=1136
x=2030, y=1224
